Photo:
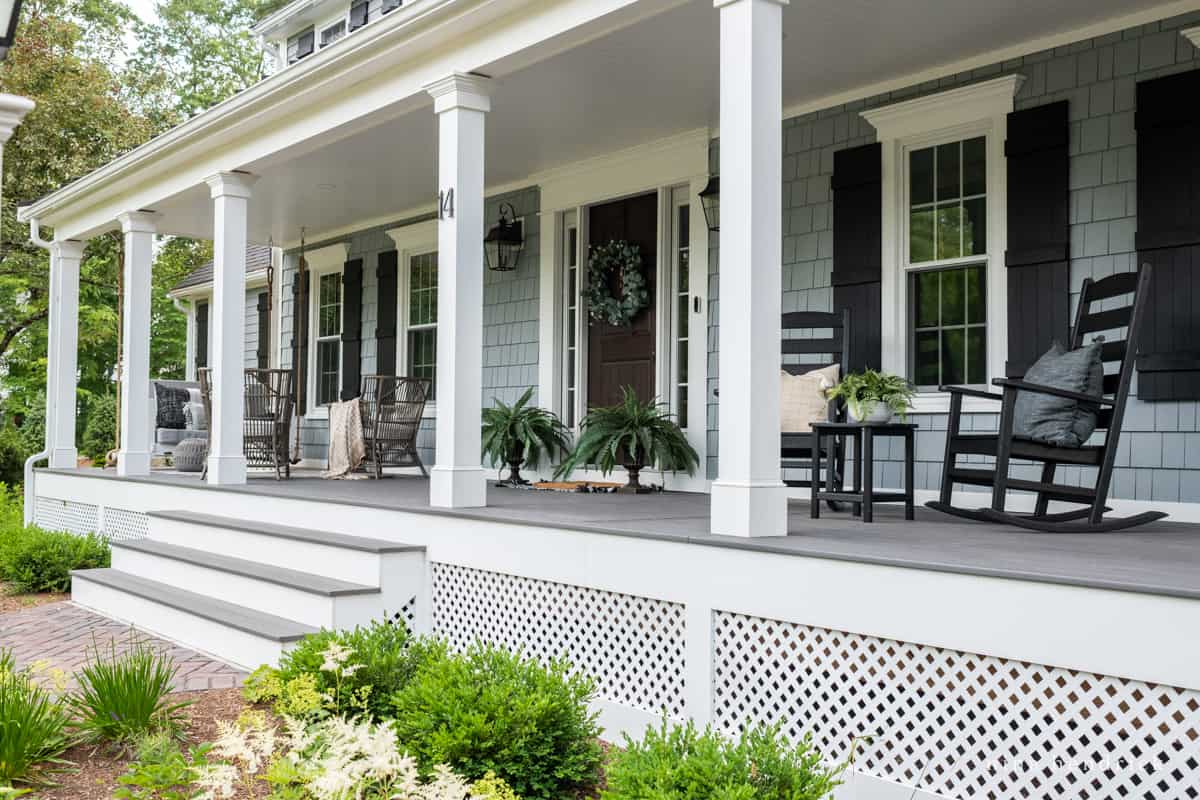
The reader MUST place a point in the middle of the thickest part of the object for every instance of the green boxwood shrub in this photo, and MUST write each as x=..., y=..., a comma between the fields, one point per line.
x=100, y=431
x=678, y=762
x=492, y=710
x=36, y=560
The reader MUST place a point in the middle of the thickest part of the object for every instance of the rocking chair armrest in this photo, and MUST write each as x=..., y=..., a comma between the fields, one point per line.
x=1016, y=383
x=969, y=392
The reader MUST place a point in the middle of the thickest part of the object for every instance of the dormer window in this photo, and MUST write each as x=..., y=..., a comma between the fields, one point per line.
x=300, y=45
x=331, y=33
x=358, y=15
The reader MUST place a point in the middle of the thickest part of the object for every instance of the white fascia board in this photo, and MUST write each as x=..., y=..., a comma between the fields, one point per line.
x=273, y=22
x=333, y=94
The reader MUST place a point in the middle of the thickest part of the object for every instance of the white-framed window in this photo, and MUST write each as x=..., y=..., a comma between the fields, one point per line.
x=332, y=31
x=573, y=323
x=327, y=295
x=681, y=233
x=420, y=318
x=944, y=292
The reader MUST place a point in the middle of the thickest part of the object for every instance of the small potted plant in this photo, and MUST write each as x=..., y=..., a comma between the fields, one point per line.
x=521, y=434
x=874, y=397
x=634, y=434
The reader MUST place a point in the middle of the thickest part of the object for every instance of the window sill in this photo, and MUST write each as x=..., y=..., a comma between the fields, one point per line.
x=939, y=403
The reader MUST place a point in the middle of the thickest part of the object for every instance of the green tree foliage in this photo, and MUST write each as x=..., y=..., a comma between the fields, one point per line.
x=95, y=102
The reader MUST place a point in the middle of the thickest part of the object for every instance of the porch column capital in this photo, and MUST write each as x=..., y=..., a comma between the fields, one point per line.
x=723, y=3
x=138, y=222
x=231, y=184
x=68, y=249
x=461, y=90
x=13, y=109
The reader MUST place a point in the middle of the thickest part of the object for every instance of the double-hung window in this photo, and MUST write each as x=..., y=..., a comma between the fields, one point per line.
x=329, y=337
x=421, y=318
x=947, y=262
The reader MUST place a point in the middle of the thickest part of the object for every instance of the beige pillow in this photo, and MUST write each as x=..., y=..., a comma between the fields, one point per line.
x=802, y=398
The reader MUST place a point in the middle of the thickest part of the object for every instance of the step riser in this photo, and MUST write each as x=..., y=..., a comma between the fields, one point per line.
x=239, y=648
x=271, y=598
x=356, y=566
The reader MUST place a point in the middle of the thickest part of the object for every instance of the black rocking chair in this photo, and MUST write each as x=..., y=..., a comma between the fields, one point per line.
x=796, y=447
x=1004, y=447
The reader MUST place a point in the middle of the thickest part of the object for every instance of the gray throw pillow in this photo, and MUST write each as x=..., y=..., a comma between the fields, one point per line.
x=1054, y=420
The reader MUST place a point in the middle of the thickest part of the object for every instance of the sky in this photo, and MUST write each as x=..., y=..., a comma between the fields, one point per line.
x=143, y=8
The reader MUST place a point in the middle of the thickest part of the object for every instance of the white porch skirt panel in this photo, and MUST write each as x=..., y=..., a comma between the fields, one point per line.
x=632, y=646
x=962, y=725
x=116, y=524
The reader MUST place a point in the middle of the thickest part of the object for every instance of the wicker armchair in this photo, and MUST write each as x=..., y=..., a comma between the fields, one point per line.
x=391, y=417
x=266, y=418
x=267, y=421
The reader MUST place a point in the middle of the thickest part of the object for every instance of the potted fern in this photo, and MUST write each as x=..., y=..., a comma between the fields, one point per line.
x=874, y=397
x=521, y=434
x=634, y=434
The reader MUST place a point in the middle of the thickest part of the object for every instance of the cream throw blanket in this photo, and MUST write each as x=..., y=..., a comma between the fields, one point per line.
x=346, y=446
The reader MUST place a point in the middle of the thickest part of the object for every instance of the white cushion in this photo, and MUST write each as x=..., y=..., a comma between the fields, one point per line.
x=802, y=398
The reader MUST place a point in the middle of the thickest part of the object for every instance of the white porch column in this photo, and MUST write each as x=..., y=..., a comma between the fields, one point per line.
x=748, y=497
x=63, y=353
x=457, y=479
x=134, y=455
x=227, y=321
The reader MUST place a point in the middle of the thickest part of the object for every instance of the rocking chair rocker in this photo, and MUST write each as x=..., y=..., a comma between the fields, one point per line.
x=1004, y=446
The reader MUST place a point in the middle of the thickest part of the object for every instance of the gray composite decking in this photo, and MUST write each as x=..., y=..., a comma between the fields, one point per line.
x=1161, y=558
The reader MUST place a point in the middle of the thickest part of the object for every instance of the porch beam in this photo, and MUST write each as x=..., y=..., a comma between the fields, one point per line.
x=231, y=195
x=748, y=497
x=133, y=457
x=61, y=378
x=461, y=103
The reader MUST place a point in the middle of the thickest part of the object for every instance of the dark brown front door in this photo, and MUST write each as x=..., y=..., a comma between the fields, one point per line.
x=624, y=356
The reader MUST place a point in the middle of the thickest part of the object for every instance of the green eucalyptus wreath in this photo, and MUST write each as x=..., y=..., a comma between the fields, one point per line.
x=624, y=259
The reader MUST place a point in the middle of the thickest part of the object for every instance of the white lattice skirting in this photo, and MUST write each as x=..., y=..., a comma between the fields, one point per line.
x=632, y=646
x=117, y=524
x=959, y=724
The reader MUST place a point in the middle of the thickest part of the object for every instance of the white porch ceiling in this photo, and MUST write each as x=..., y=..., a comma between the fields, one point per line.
x=645, y=82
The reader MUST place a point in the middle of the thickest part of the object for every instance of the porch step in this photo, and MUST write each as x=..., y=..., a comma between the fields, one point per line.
x=307, y=597
x=355, y=559
x=242, y=636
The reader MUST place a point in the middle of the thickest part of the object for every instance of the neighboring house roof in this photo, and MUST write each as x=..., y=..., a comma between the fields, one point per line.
x=258, y=257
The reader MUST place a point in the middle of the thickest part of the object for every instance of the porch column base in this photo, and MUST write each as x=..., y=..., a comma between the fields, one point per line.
x=749, y=509
x=64, y=458
x=226, y=470
x=457, y=487
x=132, y=463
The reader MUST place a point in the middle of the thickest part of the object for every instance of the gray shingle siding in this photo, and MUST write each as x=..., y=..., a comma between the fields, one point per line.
x=510, y=309
x=1098, y=76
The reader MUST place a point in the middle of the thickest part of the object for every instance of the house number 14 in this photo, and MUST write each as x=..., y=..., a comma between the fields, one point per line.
x=446, y=204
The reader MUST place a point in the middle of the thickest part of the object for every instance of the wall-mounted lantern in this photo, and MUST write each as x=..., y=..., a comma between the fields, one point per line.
x=504, y=242
x=710, y=199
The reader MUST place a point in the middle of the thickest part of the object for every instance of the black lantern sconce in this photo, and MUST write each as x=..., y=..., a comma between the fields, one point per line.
x=504, y=242
x=710, y=199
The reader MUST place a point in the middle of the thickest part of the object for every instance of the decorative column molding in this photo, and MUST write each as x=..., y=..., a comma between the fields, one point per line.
x=748, y=497
x=63, y=349
x=457, y=479
x=231, y=194
x=137, y=421
x=1192, y=35
x=13, y=109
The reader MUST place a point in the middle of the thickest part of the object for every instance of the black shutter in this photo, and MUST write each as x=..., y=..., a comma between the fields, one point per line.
x=390, y=5
x=201, y=335
x=352, y=275
x=358, y=15
x=263, y=353
x=300, y=294
x=1039, y=233
x=857, y=247
x=385, y=330
x=1168, y=235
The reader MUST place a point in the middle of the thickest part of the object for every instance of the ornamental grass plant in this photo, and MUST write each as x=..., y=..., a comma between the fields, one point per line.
x=122, y=696
x=33, y=727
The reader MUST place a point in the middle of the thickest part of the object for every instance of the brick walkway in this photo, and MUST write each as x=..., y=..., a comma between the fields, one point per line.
x=64, y=635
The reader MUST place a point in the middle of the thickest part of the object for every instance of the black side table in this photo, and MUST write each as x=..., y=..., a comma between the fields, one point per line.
x=863, y=494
